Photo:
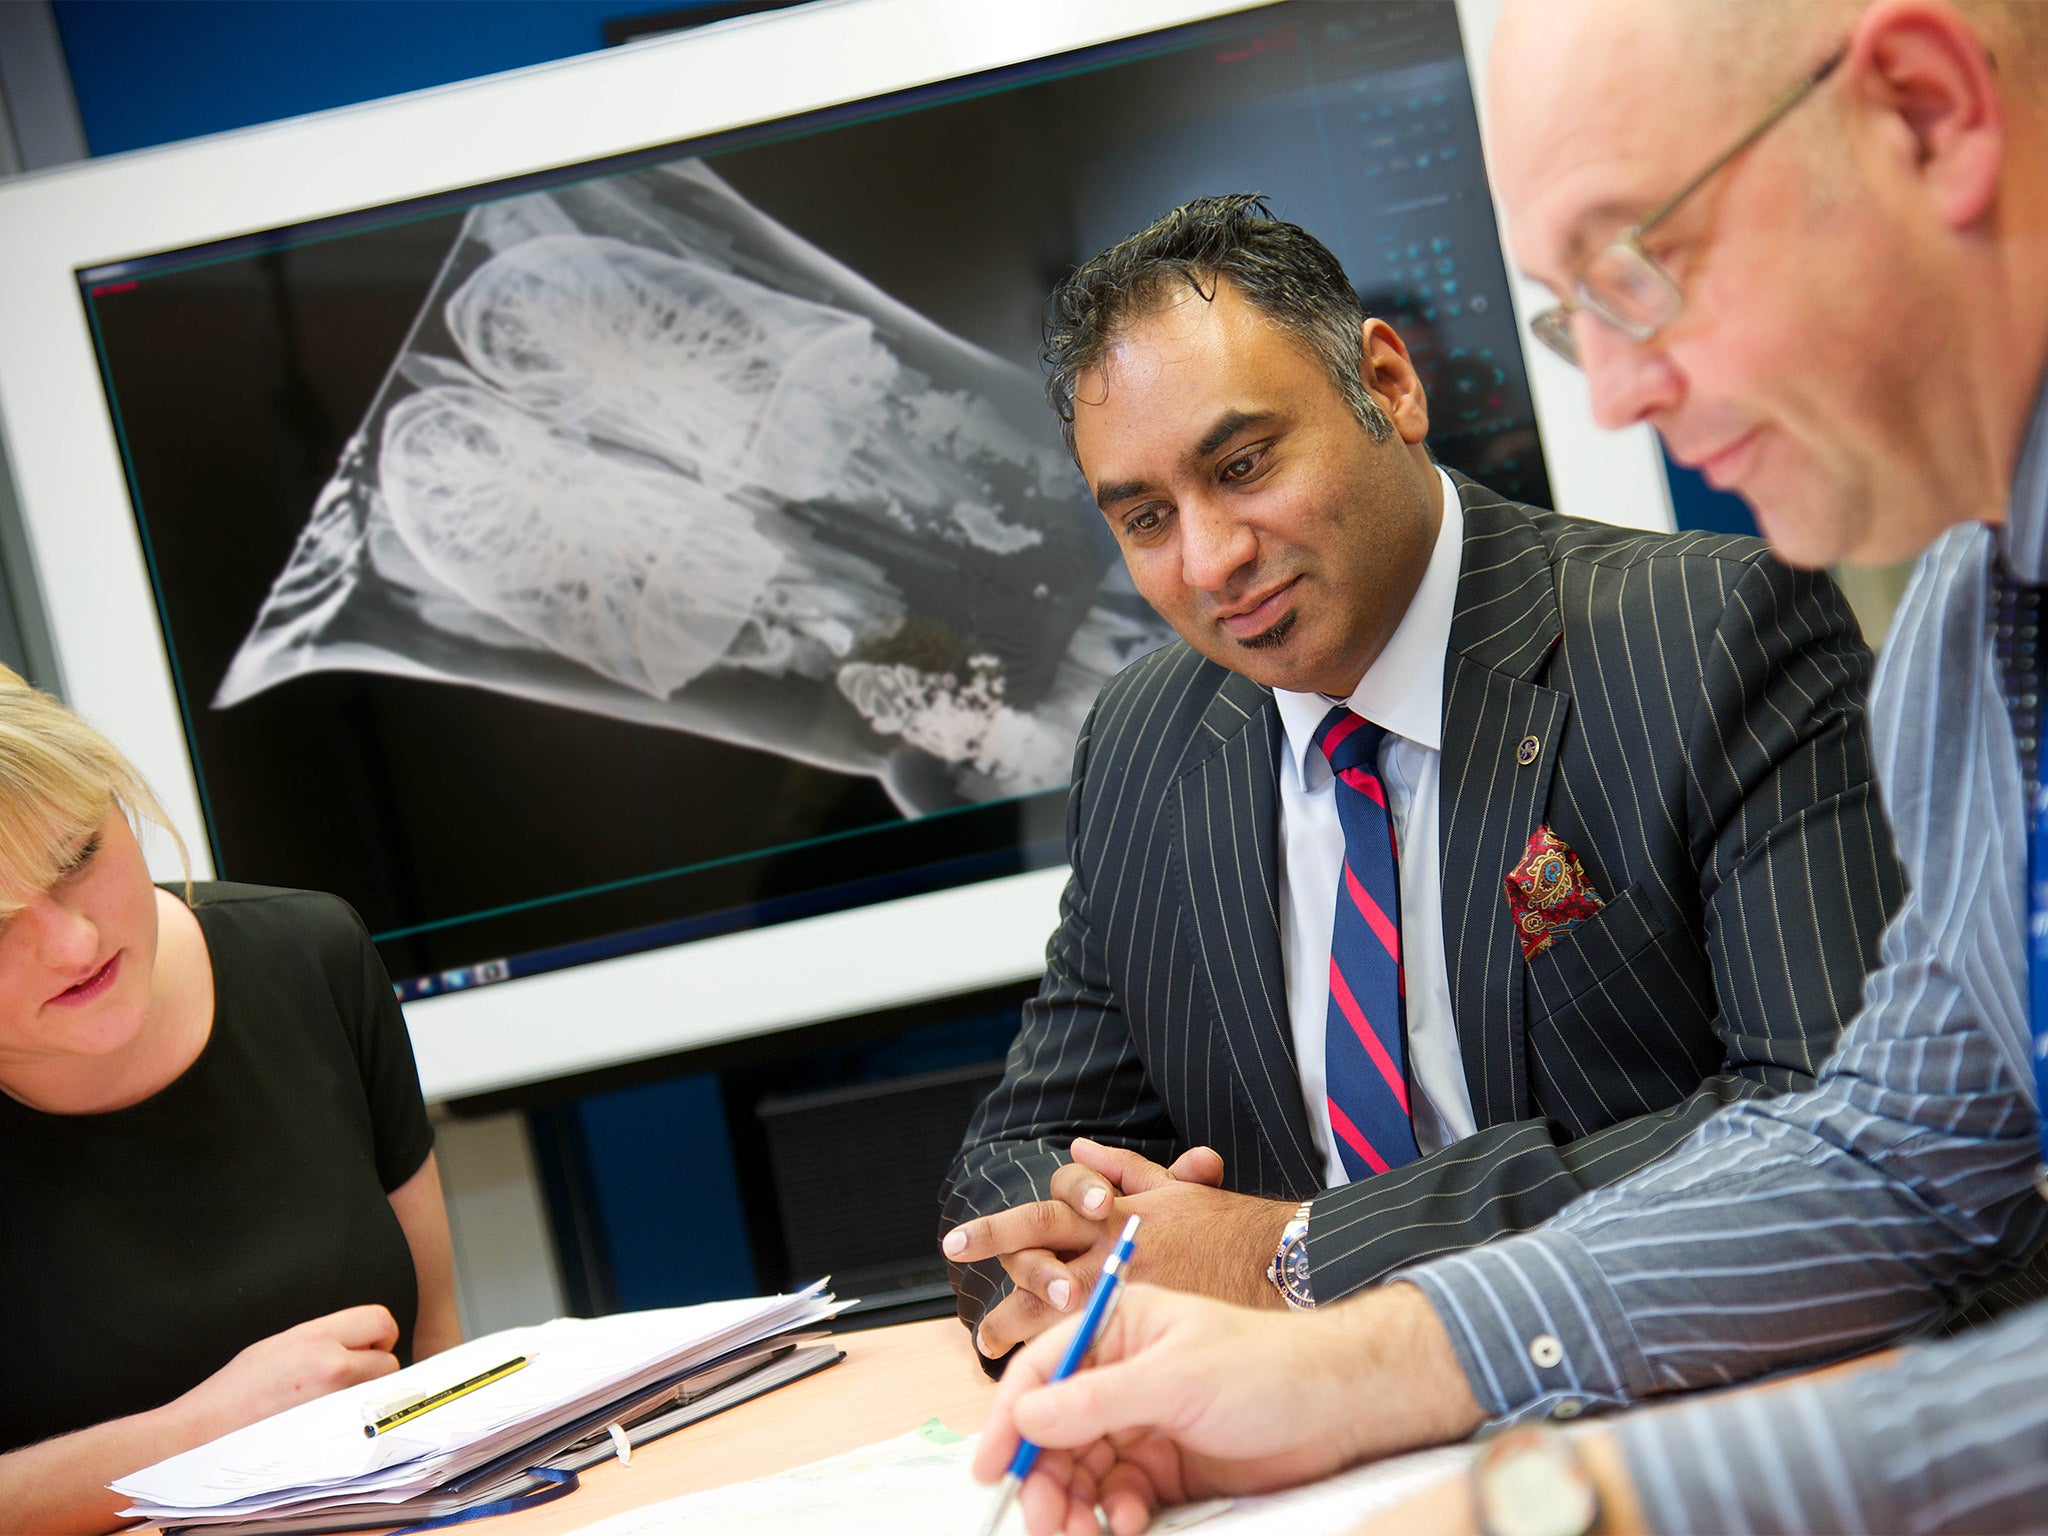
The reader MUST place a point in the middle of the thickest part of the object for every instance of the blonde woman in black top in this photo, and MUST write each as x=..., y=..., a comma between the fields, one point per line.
x=218, y=1195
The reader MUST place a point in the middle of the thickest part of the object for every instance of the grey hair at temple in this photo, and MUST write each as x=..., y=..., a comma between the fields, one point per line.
x=1281, y=269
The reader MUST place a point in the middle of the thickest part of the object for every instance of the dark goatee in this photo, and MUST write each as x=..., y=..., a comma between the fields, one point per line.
x=1270, y=637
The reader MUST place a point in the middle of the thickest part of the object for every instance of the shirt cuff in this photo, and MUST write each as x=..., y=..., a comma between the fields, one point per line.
x=1766, y=1460
x=1535, y=1326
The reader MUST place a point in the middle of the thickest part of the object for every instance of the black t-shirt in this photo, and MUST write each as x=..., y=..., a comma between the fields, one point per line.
x=142, y=1249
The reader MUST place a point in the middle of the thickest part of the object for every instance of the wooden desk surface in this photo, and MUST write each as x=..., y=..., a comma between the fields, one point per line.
x=890, y=1382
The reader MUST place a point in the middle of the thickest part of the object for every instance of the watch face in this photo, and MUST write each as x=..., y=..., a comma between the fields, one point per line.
x=1294, y=1275
x=1535, y=1488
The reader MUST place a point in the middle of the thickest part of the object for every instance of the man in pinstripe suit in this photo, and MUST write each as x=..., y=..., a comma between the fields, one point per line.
x=1848, y=322
x=1683, y=713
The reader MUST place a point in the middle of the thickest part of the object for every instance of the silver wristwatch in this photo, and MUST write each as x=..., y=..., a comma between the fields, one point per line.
x=1529, y=1481
x=1289, y=1267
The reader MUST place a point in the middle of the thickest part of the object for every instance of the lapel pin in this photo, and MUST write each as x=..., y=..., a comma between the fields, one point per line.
x=1527, y=752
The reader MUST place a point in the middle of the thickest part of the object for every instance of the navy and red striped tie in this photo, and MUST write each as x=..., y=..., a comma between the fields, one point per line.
x=1366, y=1037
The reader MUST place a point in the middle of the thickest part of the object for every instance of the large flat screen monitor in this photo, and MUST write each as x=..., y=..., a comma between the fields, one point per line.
x=648, y=584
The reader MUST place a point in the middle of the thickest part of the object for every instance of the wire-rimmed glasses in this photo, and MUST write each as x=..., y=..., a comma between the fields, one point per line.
x=1626, y=286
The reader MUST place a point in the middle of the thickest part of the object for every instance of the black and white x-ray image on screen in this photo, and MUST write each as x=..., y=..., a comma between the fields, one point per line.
x=656, y=547
x=649, y=454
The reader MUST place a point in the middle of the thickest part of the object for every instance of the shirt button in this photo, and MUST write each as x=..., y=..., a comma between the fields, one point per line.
x=1568, y=1408
x=1545, y=1351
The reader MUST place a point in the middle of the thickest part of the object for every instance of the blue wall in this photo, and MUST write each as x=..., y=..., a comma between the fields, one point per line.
x=667, y=1194
x=150, y=71
x=1698, y=505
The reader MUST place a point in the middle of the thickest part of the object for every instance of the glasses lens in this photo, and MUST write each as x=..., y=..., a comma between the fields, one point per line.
x=1630, y=291
x=1554, y=329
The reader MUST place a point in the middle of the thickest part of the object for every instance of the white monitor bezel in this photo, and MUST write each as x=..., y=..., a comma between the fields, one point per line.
x=88, y=558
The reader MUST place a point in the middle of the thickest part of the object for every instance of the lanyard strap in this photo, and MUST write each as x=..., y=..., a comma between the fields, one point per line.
x=2019, y=637
x=551, y=1483
x=2037, y=974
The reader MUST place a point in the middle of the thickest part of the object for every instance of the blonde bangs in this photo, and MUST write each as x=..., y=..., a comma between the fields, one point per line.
x=59, y=778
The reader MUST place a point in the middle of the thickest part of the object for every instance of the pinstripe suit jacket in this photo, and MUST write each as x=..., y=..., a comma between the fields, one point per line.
x=1699, y=709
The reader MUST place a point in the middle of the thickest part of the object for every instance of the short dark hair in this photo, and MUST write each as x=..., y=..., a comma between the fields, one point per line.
x=1282, y=270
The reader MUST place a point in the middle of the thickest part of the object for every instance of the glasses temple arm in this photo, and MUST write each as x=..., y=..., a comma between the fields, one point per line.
x=1784, y=104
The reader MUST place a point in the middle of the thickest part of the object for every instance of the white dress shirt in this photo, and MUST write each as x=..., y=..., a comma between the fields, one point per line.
x=1404, y=692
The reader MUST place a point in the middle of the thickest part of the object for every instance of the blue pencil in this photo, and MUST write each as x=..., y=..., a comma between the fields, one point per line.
x=1101, y=1302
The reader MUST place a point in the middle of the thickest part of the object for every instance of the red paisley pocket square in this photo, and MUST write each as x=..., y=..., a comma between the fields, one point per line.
x=1548, y=892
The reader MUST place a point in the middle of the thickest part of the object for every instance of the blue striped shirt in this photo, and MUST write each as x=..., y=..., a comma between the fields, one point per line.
x=1795, y=1229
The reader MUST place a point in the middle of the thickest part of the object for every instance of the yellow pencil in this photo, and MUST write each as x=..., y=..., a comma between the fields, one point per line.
x=411, y=1411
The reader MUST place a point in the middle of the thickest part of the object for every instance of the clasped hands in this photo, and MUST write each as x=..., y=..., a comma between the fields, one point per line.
x=1197, y=1237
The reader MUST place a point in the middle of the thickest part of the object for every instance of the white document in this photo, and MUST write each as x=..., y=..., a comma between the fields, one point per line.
x=1338, y=1503
x=317, y=1452
x=912, y=1483
x=901, y=1485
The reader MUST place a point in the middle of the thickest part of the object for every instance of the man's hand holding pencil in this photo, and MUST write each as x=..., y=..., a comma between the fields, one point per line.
x=1186, y=1398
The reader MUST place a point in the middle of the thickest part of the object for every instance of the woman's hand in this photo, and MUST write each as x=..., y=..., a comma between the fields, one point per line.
x=61, y=1485
x=315, y=1358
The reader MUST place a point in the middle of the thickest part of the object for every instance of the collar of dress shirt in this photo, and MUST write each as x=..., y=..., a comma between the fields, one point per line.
x=2025, y=536
x=1404, y=689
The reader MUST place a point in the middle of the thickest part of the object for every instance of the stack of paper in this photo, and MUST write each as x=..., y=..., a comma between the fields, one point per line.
x=316, y=1457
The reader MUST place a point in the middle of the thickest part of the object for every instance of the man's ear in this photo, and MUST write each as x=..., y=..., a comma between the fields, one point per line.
x=1935, y=90
x=1391, y=378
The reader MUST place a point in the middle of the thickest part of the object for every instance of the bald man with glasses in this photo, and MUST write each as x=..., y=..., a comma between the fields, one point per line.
x=1845, y=319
